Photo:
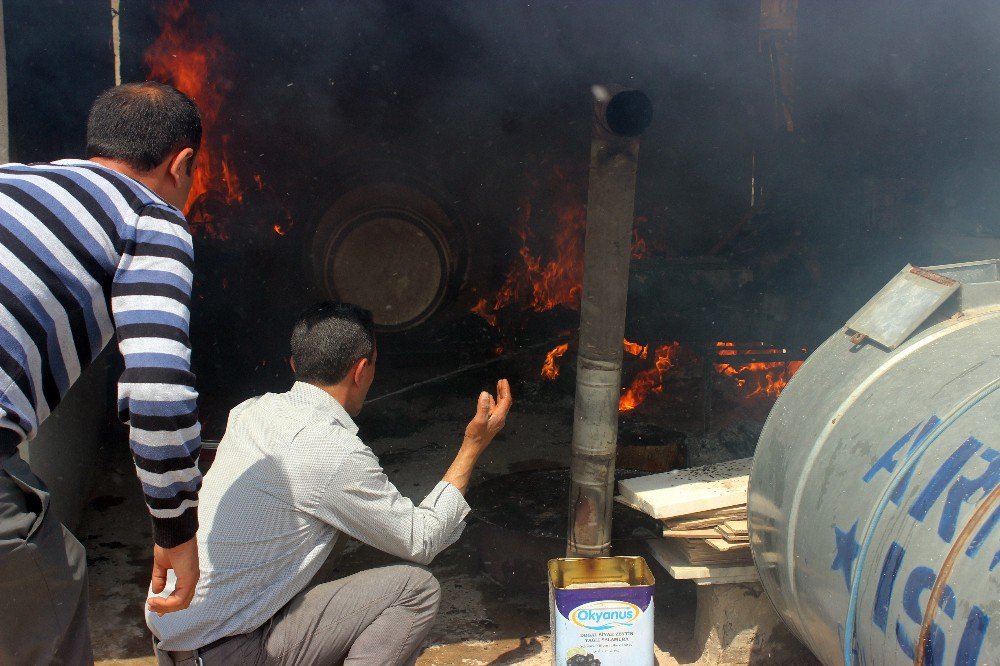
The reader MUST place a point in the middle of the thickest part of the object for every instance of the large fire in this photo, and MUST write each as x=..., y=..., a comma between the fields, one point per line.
x=548, y=270
x=546, y=275
x=540, y=281
x=188, y=58
x=755, y=381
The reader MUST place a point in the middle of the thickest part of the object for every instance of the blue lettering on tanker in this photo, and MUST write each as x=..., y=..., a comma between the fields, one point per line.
x=963, y=490
x=972, y=639
x=984, y=532
x=888, y=460
x=959, y=492
x=887, y=581
x=942, y=477
x=921, y=580
x=847, y=550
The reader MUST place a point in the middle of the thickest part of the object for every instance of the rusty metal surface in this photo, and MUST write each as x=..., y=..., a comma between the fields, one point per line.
x=933, y=277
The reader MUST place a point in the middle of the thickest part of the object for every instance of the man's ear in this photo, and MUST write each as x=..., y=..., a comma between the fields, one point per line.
x=359, y=368
x=180, y=165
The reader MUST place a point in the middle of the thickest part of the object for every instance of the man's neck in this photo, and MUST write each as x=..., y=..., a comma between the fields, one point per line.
x=338, y=392
x=148, y=178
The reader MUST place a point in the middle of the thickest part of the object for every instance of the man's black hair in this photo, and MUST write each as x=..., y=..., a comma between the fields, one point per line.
x=142, y=124
x=329, y=338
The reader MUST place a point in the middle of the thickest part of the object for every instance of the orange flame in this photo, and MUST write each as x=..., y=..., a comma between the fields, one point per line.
x=543, y=280
x=730, y=349
x=550, y=370
x=558, y=281
x=543, y=284
x=640, y=250
x=760, y=380
x=482, y=309
x=635, y=349
x=187, y=58
x=649, y=380
x=726, y=348
x=758, y=383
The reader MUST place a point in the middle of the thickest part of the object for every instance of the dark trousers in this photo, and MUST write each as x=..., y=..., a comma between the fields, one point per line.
x=43, y=577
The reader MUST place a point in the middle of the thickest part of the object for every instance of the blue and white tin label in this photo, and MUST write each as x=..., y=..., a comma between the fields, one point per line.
x=603, y=626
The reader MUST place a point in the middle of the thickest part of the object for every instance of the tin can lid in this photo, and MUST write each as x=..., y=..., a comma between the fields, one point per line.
x=632, y=571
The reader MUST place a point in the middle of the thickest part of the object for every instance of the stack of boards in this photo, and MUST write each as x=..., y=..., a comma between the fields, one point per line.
x=704, y=515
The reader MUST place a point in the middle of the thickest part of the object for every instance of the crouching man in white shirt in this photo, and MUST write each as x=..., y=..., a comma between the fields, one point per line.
x=289, y=477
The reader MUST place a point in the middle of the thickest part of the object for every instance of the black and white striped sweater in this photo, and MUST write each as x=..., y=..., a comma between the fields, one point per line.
x=86, y=252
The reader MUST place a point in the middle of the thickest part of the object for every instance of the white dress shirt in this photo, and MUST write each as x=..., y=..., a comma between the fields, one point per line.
x=289, y=476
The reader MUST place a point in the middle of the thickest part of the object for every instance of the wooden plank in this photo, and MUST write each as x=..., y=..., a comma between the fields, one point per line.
x=735, y=512
x=624, y=502
x=735, y=539
x=698, y=528
x=683, y=491
x=698, y=551
x=690, y=534
x=731, y=535
x=738, y=511
x=724, y=580
x=708, y=518
x=738, y=526
x=727, y=546
x=677, y=566
x=705, y=524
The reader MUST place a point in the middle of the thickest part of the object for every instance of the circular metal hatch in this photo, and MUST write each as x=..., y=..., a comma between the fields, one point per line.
x=384, y=246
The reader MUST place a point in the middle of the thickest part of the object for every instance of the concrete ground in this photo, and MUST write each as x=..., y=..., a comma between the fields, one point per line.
x=415, y=435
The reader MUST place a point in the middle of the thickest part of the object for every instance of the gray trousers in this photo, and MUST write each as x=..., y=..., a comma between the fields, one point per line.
x=43, y=577
x=377, y=617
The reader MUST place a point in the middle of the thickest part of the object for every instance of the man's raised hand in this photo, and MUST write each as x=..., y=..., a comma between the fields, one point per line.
x=491, y=415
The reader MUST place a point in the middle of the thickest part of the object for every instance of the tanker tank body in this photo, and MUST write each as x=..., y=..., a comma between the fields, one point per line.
x=874, y=496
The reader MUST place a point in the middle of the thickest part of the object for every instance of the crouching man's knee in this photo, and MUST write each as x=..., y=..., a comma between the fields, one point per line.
x=423, y=589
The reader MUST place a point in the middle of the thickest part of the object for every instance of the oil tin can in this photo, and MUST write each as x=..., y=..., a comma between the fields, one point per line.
x=601, y=611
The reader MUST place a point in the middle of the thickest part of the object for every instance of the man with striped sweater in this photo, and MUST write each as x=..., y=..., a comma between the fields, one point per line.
x=91, y=248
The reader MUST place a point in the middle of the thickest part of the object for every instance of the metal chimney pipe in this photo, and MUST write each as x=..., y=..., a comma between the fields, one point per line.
x=620, y=116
